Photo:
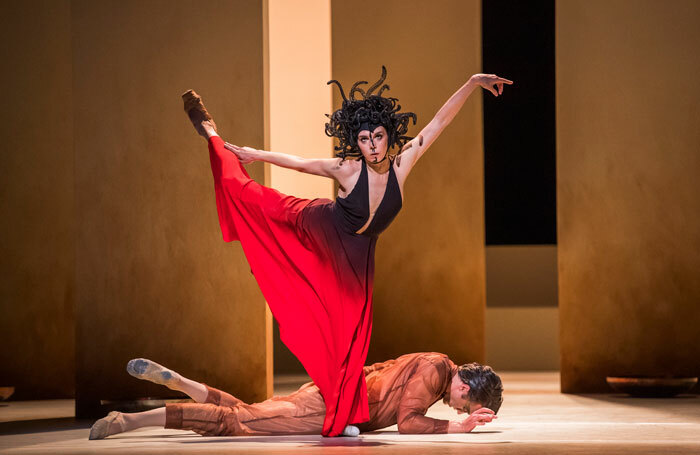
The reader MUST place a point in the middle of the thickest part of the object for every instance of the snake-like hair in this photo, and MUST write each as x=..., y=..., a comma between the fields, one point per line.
x=373, y=110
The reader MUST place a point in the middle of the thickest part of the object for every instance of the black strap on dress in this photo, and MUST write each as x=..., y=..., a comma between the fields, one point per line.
x=353, y=210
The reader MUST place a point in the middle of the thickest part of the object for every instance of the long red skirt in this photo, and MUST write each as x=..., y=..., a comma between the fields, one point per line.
x=316, y=278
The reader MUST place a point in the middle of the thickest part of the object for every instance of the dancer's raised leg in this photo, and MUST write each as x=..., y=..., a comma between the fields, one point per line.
x=200, y=118
x=224, y=164
x=149, y=370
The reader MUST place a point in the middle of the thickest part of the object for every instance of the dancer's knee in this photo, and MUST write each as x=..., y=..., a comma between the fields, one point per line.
x=221, y=398
x=205, y=419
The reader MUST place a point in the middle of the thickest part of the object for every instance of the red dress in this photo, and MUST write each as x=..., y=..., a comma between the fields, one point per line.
x=315, y=276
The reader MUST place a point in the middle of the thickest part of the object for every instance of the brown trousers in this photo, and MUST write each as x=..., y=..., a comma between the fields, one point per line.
x=222, y=414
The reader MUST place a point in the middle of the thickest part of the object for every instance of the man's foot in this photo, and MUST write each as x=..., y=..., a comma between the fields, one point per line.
x=148, y=370
x=351, y=430
x=200, y=118
x=107, y=426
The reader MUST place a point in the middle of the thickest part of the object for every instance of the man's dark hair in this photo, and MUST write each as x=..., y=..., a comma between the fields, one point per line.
x=372, y=110
x=485, y=386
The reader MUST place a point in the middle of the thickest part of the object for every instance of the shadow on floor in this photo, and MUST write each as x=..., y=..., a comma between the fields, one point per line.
x=319, y=441
x=43, y=425
x=303, y=440
x=642, y=402
x=687, y=405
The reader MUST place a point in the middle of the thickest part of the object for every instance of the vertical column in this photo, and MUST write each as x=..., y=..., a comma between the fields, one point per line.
x=298, y=58
x=37, y=219
x=429, y=291
x=154, y=278
x=628, y=191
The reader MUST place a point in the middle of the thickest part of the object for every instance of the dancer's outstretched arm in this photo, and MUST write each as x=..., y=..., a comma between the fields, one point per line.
x=325, y=167
x=412, y=151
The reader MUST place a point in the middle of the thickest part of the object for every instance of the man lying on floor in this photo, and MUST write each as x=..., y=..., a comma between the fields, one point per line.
x=400, y=392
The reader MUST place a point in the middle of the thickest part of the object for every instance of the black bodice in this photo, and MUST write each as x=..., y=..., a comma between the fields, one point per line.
x=352, y=212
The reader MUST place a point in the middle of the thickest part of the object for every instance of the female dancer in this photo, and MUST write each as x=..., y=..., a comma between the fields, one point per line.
x=314, y=259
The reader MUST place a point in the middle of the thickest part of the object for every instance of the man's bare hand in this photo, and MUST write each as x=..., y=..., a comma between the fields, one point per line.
x=481, y=416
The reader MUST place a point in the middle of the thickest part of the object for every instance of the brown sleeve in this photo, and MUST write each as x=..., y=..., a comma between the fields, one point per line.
x=377, y=366
x=421, y=391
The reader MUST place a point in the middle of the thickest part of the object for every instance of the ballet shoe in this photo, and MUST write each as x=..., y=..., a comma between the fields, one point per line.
x=196, y=111
x=101, y=428
x=148, y=370
x=351, y=430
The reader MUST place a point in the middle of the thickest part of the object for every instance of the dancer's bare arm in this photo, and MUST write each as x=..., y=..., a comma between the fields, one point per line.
x=412, y=151
x=334, y=168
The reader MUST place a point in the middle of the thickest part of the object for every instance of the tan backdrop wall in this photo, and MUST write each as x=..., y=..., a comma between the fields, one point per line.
x=522, y=317
x=429, y=290
x=36, y=200
x=628, y=190
x=154, y=277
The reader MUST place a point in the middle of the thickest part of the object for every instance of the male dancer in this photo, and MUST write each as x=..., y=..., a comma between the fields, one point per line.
x=400, y=392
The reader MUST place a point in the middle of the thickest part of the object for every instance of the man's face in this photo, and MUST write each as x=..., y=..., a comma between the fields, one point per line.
x=373, y=145
x=459, y=393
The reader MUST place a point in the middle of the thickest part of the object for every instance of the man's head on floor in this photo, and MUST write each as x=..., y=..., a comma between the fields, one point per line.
x=475, y=386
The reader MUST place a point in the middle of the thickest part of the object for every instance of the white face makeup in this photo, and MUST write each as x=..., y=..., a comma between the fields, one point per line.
x=373, y=145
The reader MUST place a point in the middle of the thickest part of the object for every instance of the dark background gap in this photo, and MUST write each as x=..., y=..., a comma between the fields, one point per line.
x=519, y=126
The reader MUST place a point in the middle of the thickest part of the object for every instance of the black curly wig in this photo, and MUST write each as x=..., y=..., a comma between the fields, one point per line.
x=373, y=110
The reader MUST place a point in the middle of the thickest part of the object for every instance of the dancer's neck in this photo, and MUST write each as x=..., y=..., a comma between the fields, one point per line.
x=380, y=167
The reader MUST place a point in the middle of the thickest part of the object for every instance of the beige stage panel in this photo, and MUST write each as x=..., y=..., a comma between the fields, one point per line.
x=299, y=62
x=36, y=200
x=429, y=289
x=522, y=338
x=628, y=156
x=154, y=277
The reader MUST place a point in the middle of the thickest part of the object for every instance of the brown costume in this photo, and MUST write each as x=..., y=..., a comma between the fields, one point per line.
x=400, y=392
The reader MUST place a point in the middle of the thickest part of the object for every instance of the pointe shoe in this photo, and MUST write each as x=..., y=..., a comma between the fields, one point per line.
x=196, y=111
x=351, y=430
x=148, y=370
x=101, y=428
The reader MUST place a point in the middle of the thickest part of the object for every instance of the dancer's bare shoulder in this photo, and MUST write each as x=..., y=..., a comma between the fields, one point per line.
x=346, y=166
x=346, y=172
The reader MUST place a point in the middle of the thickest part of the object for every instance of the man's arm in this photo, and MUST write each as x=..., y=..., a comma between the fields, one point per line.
x=419, y=393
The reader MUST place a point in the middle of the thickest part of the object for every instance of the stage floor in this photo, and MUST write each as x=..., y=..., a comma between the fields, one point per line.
x=535, y=418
